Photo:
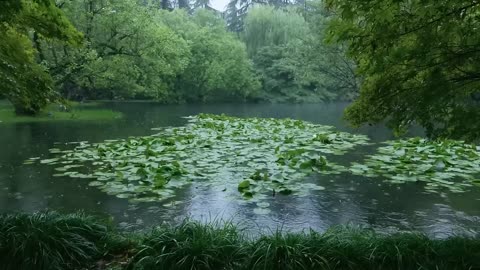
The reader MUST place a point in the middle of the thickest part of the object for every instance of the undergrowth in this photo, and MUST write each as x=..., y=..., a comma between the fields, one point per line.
x=48, y=240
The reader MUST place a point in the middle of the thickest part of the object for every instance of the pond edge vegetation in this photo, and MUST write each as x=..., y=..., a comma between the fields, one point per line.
x=71, y=111
x=50, y=240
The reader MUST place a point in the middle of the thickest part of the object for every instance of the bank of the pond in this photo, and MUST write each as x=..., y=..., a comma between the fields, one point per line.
x=75, y=112
x=49, y=240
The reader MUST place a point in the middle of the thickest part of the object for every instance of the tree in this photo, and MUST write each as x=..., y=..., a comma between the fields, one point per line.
x=130, y=53
x=237, y=10
x=420, y=63
x=185, y=4
x=293, y=62
x=24, y=82
x=325, y=65
x=268, y=26
x=219, y=69
x=138, y=51
x=198, y=4
x=234, y=17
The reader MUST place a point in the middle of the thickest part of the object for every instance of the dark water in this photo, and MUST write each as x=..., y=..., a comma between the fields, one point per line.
x=347, y=199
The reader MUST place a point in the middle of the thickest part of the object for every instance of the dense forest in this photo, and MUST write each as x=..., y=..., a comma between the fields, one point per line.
x=408, y=62
x=172, y=53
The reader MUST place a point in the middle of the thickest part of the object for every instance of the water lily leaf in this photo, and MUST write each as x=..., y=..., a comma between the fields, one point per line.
x=247, y=195
x=476, y=182
x=445, y=164
x=243, y=185
x=160, y=181
x=49, y=161
x=96, y=184
x=211, y=151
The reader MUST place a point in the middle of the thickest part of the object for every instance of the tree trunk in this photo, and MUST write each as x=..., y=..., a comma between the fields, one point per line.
x=21, y=109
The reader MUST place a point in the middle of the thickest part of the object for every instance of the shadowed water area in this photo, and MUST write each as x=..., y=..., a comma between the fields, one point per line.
x=347, y=198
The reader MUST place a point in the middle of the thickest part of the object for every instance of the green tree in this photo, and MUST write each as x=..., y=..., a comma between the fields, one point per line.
x=279, y=67
x=420, y=63
x=291, y=58
x=138, y=51
x=219, y=69
x=268, y=26
x=198, y=4
x=130, y=53
x=325, y=65
x=24, y=82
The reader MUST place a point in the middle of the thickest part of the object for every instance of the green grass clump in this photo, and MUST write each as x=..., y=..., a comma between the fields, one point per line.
x=191, y=245
x=49, y=240
x=197, y=246
x=53, y=241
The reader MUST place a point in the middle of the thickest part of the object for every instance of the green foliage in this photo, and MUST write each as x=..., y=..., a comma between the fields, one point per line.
x=419, y=61
x=321, y=64
x=191, y=245
x=236, y=10
x=25, y=83
x=266, y=26
x=219, y=69
x=446, y=164
x=52, y=115
x=129, y=53
x=291, y=58
x=49, y=240
x=279, y=67
x=138, y=51
x=75, y=241
x=195, y=246
x=249, y=157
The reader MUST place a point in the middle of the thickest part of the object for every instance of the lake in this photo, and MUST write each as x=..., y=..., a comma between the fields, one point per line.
x=347, y=199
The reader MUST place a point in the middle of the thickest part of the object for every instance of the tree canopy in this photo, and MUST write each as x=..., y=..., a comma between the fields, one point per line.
x=143, y=52
x=168, y=51
x=23, y=81
x=419, y=61
x=293, y=62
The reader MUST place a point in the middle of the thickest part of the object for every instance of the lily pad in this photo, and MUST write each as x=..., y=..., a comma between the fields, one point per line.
x=248, y=158
x=443, y=164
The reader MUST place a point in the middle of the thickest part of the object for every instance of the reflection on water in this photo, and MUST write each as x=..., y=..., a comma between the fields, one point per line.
x=347, y=199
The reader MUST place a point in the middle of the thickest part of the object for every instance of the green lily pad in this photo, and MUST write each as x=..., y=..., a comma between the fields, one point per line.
x=443, y=164
x=248, y=158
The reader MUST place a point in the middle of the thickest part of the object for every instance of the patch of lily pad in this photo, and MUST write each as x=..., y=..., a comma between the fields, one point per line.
x=249, y=158
x=446, y=164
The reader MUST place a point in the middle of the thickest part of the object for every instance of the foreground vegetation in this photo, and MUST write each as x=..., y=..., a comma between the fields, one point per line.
x=49, y=240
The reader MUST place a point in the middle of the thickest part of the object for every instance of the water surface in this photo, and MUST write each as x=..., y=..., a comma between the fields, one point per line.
x=348, y=199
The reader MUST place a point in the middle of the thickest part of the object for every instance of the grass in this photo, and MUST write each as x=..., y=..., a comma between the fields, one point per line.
x=78, y=112
x=191, y=245
x=49, y=240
